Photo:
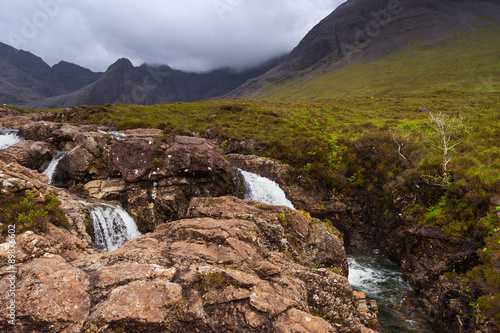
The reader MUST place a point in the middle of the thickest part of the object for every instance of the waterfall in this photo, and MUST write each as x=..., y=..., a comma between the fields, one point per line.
x=264, y=190
x=112, y=225
x=381, y=280
x=8, y=138
x=51, y=169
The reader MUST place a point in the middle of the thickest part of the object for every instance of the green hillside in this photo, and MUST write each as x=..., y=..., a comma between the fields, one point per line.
x=466, y=61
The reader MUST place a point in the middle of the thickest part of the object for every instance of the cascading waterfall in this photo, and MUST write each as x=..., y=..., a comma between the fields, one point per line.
x=112, y=225
x=8, y=138
x=52, y=167
x=381, y=280
x=264, y=190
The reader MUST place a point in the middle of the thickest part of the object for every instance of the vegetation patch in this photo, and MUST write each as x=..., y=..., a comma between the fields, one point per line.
x=31, y=211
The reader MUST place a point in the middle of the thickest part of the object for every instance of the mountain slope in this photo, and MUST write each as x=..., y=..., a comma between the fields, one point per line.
x=374, y=46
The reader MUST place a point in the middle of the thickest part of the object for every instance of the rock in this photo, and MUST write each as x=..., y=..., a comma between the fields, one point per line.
x=8, y=112
x=88, y=160
x=31, y=154
x=161, y=178
x=139, y=158
x=14, y=122
x=139, y=306
x=105, y=189
x=291, y=232
x=39, y=131
x=221, y=273
x=50, y=295
x=16, y=179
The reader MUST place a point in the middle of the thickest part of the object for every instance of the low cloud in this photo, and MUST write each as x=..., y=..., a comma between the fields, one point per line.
x=194, y=35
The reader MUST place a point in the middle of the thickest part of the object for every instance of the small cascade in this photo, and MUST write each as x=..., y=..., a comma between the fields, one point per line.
x=264, y=190
x=52, y=167
x=381, y=280
x=116, y=134
x=8, y=138
x=112, y=225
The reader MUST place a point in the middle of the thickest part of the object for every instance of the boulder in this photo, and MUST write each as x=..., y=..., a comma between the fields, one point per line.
x=31, y=154
x=147, y=158
x=231, y=265
x=8, y=112
x=14, y=122
x=39, y=131
x=87, y=160
x=160, y=178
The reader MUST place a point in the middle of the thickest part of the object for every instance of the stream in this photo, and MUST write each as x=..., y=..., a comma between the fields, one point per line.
x=377, y=277
x=381, y=280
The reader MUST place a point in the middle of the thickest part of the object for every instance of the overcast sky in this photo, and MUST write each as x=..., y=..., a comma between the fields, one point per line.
x=193, y=35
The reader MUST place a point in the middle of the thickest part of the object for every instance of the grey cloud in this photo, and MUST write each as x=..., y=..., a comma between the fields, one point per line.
x=193, y=35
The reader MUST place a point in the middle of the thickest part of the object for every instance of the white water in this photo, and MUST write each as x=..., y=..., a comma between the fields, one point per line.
x=51, y=169
x=264, y=190
x=112, y=225
x=381, y=280
x=8, y=138
x=115, y=134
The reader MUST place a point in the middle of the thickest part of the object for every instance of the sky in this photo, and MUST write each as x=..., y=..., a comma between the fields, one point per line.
x=190, y=35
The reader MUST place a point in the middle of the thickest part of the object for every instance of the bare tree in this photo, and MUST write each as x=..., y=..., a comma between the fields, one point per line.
x=400, y=136
x=448, y=133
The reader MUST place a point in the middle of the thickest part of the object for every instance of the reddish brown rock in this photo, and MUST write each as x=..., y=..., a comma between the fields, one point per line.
x=39, y=131
x=31, y=154
x=51, y=295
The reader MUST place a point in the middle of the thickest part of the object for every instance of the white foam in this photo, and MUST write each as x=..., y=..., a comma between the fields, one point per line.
x=264, y=190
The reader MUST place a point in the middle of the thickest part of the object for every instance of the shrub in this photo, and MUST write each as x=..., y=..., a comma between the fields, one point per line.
x=31, y=211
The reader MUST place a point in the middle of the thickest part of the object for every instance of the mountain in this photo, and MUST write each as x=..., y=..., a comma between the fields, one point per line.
x=27, y=81
x=147, y=85
x=384, y=46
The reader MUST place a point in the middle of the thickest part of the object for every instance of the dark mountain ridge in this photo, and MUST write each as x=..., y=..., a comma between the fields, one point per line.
x=27, y=81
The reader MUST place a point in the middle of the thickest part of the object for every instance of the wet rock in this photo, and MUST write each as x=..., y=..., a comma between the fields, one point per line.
x=105, y=189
